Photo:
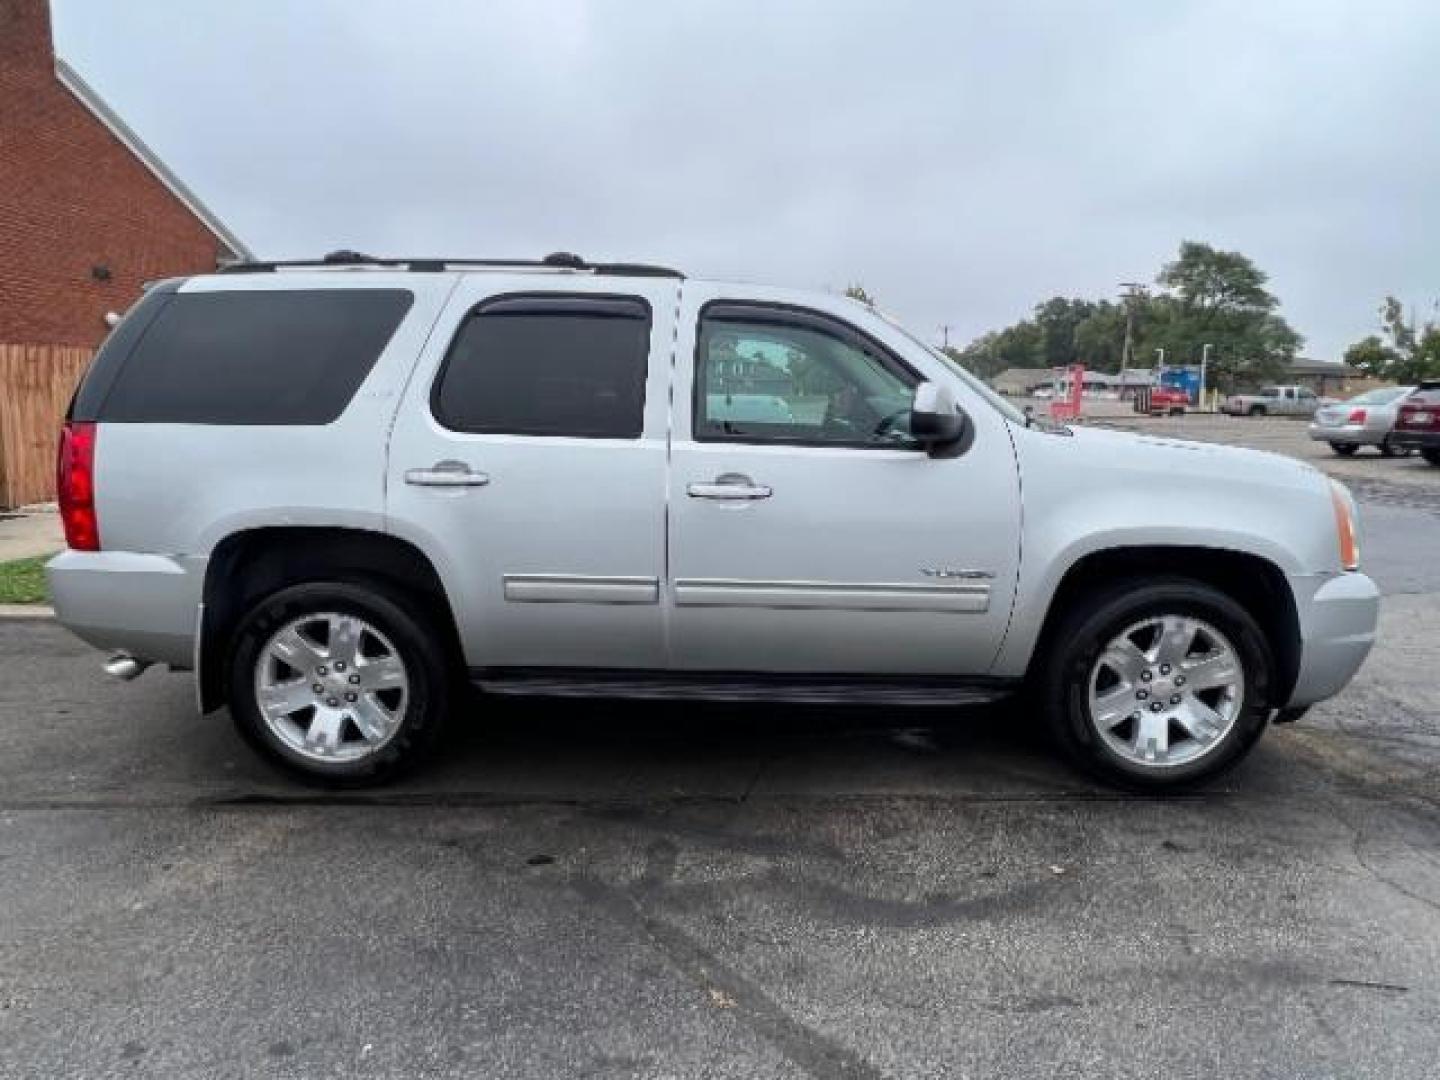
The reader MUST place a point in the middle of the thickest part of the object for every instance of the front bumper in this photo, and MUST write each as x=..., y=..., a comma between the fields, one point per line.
x=1338, y=616
x=144, y=605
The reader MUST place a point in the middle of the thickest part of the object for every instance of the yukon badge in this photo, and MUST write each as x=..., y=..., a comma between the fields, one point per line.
x=947, y=572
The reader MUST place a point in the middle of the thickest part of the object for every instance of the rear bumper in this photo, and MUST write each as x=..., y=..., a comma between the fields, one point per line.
x=1416, y=440
x=1357, y=434
x=1338, y=615
x=145, y=605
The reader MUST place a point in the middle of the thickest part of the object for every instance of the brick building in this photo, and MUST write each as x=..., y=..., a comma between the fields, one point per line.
x=87, y=212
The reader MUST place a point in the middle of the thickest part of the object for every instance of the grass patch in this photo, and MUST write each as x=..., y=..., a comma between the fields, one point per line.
x=22, y=581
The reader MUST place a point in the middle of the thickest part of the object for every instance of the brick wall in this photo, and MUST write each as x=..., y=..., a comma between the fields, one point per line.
x=73, y=198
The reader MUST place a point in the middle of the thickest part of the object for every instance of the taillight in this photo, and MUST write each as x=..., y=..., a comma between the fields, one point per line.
x=75, y=486
x=1357, y=416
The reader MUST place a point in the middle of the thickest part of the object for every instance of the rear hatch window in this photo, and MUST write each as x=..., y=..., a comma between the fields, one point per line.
x=293, y=356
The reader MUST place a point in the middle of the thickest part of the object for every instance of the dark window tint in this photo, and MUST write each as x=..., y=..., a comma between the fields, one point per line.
x=263, y=357
x=548, y=366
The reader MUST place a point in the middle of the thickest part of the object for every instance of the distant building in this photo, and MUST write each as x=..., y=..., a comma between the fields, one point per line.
x=1331, y=379
x=1021, y=382
x=87, y=211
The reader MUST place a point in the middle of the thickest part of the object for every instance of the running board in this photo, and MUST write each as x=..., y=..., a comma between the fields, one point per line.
x=721, y=686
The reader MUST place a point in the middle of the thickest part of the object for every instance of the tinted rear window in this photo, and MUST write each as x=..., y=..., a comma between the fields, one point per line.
x=263, y=357
x=552, y=365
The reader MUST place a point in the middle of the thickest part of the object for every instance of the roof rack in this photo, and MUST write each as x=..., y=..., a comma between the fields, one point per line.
x=559, y=260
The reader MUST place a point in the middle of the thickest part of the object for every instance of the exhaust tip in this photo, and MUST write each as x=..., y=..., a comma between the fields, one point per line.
x=125, y=667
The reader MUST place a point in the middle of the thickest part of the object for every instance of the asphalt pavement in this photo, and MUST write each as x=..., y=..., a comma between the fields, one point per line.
x=603, y=890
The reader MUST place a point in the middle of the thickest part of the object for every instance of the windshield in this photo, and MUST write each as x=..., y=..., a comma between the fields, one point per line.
x=1003, y=407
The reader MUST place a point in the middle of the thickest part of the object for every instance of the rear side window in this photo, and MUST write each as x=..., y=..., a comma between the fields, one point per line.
x=548, y=365
x=262, y=357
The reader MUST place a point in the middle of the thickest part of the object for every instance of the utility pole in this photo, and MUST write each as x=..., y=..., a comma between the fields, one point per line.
x=1204, y=365
x=945, y=336
x=1133, y=292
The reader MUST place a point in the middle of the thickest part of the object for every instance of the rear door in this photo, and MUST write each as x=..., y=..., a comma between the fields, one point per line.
x=528, y=460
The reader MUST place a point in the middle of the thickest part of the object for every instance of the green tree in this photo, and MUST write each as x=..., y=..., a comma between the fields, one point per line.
x=1408, y=353
x=1057, y=320
x=1206, y=296
x=857, y=292
x=1372, y=356
x=1219, y=298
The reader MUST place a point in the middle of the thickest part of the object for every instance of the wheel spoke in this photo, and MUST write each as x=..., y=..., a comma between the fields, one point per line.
x=1152, y=737
x=1125, y=658
x=345, y=634
x=325, y=729
x=1200, y=721
x=1113, y=706
x=381, y=673
x=1177, y=638
x=1209, y=672
x=296, y=651
x=287, y=698
x=373, y=719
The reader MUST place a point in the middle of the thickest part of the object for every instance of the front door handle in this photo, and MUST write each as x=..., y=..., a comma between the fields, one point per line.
x=730, y=486
x=447, y=474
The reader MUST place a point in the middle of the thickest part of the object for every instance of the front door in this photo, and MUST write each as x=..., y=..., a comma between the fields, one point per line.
x=808, y=531
x=528, y=461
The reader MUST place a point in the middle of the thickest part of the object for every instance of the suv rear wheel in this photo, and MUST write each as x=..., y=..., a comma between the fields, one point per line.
x=1431, y=454
x=338, y=683
x=1157, y=686
x=1257, y=410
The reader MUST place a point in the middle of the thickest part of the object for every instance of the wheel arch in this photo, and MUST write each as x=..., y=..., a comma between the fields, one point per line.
x=1254, y=582
x=250, y=564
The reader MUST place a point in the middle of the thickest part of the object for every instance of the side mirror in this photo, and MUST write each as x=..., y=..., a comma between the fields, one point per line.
x=937, y=423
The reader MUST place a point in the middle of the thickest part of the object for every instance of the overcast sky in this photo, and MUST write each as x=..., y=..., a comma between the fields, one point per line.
x=962, y=160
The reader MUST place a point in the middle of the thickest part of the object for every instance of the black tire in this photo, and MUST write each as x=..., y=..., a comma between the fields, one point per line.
x=1257, y=410
x=1345, y=449
x=418, y=644
x=1177, y=412
x=1092, y=623
x=1389, y=449
x=1431, y=454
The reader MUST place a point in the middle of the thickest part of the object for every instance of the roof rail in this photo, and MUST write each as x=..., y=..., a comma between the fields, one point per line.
x=559, y=260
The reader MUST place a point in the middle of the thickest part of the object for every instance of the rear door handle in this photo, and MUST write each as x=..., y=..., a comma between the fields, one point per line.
x=447, y=474
x=730, y=486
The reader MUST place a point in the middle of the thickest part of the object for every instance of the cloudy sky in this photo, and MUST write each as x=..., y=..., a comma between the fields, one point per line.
x=962, y=160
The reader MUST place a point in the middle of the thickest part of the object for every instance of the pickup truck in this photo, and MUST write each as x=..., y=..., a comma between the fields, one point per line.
x=1273, y=401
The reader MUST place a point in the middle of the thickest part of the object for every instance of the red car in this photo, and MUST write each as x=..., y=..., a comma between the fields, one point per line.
x=1167, y=400
x=1417, y=424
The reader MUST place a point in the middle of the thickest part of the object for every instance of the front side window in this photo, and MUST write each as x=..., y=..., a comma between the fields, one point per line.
x=548, y=365
x=765, y=376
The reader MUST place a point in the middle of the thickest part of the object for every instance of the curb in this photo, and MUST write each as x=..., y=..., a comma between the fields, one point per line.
x=26, y=611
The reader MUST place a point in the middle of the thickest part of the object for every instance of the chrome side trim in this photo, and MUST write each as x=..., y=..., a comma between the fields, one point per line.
x=967, y=597
x=580, y=589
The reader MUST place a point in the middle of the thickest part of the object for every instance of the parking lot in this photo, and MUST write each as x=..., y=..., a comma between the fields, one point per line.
x=592, y=889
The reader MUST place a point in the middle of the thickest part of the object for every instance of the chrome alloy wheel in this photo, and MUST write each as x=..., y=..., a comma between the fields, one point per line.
x=331, y=687
x=1166, y=691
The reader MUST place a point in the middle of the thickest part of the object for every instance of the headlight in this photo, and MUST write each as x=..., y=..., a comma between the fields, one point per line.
x=1345, y=530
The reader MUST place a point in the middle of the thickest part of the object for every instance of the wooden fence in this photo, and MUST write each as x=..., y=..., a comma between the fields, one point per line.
x=36, y=382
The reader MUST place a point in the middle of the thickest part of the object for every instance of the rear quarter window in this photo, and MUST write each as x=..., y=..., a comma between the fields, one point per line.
x=282, y=357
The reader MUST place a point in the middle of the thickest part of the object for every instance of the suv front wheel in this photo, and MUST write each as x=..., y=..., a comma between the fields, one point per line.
x=338, y=683
x=1157, y=686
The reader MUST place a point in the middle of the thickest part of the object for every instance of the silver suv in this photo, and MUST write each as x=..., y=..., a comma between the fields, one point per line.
x=341, y=491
